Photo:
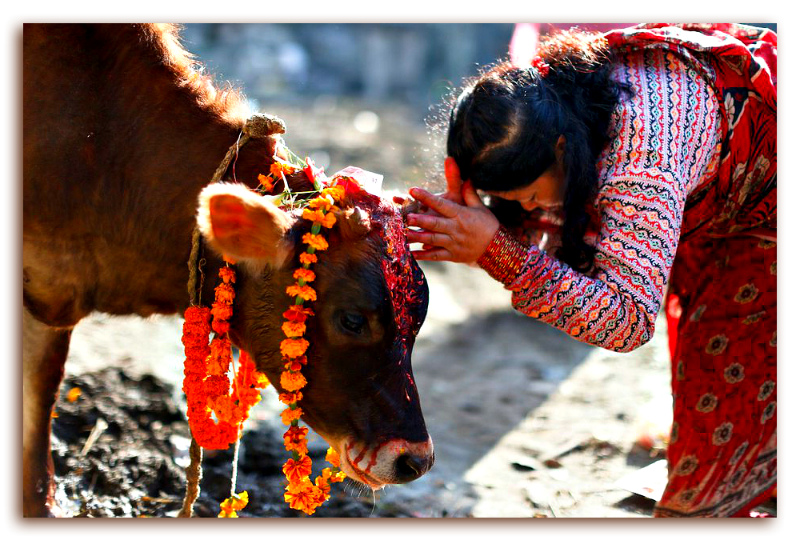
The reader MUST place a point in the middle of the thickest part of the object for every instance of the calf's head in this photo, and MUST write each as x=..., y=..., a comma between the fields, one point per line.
x=371, y=301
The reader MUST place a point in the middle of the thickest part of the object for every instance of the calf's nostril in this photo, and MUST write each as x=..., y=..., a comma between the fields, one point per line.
x=409, y=467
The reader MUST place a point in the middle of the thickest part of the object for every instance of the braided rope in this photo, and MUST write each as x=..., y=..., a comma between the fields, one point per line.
x=259, y=126
x=194, y=472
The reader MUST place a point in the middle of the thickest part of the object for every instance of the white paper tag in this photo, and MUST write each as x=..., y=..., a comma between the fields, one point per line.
x=371, y=182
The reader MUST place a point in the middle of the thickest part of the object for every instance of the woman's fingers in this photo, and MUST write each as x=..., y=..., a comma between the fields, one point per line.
x=453, y=177
x=470, y=195
x=440, y=204
x=430, y=222
x=435, y=254
x=429, y=239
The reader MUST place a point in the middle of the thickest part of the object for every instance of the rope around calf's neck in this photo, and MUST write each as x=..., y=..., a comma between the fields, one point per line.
x=259, y=126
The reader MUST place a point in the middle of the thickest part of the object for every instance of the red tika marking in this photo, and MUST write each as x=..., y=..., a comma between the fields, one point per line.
x=360, y=455
x=398, y=265
x=374, y=459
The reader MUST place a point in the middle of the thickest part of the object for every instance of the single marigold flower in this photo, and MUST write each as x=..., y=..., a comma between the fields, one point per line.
x=314, y=216
x=293, y=365
x=224, y=293
x=277, y=168
x=233, y=504
x=292, y=381
x=326, y=220
x=221, y=327
x=302, y=359
x=295, y=439
x=221, y=312
x=308, y=258
x=332, y=457
x=290, y=415
x=73, y=394
x=305, y=292
x=293, y=329
x=266, y=182
x=305, y=274
x=321, y=202
x=324, y=489
x=287, y=398
x=335, y=192
x=338, y=476
x=316, y=241
x=297, y=470
x=302, y=496
x=297, y=313
x=293, y=347
x=228, y=275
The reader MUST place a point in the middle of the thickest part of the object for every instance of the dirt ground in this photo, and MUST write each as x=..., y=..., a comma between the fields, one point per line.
x=526, y=422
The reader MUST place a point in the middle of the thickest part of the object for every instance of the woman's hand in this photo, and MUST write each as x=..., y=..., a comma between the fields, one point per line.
x=456, y=232
x=453, y=192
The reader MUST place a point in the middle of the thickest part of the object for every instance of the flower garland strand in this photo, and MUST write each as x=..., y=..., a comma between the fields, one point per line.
x=206, y=383
x=301, y=493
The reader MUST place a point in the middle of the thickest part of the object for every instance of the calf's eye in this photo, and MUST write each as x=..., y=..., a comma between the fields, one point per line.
x=352, y=322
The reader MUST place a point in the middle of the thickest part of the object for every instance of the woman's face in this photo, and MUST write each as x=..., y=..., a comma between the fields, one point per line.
x=547, y=191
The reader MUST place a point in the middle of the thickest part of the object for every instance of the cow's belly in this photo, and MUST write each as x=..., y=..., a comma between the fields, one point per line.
x=54, y=281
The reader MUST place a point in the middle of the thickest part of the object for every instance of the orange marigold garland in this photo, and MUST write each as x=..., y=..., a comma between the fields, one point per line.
x=206, y=383
x=301, y=493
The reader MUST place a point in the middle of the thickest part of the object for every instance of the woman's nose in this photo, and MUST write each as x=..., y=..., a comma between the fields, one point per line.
x=529, y=206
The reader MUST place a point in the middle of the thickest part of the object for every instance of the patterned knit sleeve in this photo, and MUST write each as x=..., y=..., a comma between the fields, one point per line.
x=663, y=142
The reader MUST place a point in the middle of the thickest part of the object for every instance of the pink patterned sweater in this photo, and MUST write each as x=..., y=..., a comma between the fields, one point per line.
x=664, y=145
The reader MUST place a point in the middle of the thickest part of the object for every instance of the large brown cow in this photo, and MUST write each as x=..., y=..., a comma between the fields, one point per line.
x=121, y=135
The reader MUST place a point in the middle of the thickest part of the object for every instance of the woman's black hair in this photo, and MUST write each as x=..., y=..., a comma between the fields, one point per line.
x=504, y=126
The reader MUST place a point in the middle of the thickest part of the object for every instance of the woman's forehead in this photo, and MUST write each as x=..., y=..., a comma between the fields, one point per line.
x=520, y=193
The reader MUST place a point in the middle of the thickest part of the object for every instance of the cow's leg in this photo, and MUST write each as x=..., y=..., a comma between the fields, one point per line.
x=44, y=351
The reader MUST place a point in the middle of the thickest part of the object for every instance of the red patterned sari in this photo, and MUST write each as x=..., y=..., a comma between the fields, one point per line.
x=722, y=303
x=687, y=209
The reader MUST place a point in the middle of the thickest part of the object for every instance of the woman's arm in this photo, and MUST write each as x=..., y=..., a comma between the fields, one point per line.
x=663, y=139
x=616, y=305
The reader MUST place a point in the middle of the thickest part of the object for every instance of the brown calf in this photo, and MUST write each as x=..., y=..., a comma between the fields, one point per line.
x=121, y=135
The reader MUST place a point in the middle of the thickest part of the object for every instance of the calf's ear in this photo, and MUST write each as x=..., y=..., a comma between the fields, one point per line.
x=243, y=225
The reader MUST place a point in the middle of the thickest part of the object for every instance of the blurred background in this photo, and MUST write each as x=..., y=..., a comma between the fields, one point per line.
x=353, y=94
x=371, y=95
x=526, y=421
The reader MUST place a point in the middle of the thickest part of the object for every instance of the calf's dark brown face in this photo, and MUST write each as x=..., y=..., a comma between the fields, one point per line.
x=371, y=301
